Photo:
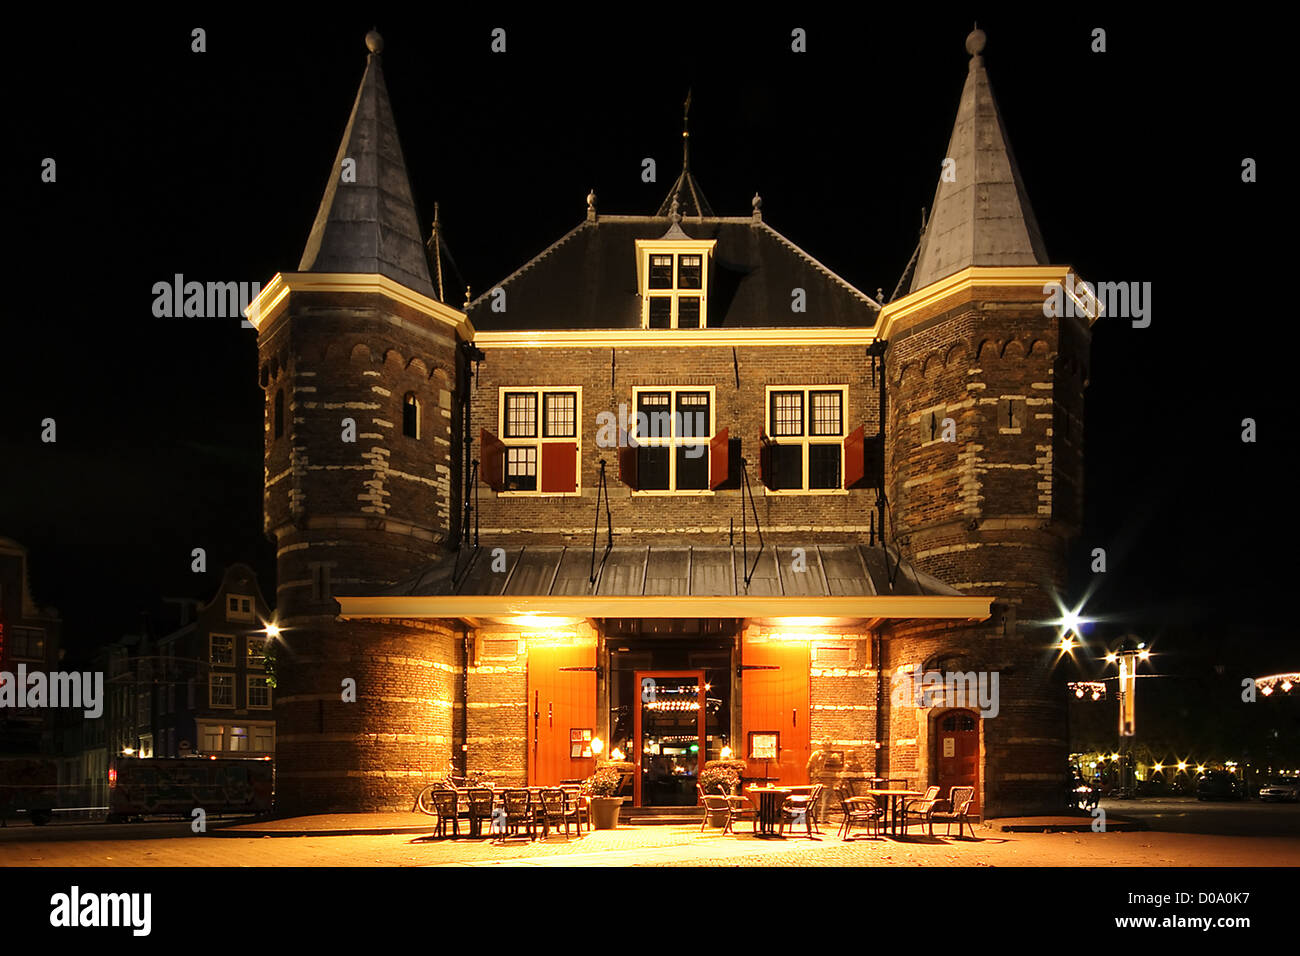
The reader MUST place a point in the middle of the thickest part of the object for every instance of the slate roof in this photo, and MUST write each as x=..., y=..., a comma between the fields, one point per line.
x=369, y=226
x=983, y=218
x=839, y=570
x=588, y=280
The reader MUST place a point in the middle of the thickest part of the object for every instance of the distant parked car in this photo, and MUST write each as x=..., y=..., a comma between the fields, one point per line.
x=1218, y=785
x=1287, y=791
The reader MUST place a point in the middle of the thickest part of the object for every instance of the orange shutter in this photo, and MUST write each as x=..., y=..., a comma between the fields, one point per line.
x=627, y=466
x=855, y=463
x=492, y=460
x=560, y=466
x=719, y=452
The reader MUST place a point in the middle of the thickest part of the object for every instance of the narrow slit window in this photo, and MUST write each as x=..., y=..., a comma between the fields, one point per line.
x=411, y=416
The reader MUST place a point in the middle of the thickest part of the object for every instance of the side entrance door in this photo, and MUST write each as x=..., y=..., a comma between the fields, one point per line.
x=958, y=753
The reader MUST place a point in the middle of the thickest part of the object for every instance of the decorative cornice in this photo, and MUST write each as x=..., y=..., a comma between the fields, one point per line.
x=272, y=300
x=661, y=338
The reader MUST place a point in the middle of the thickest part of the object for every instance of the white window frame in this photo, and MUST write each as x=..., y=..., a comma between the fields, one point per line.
x=206, y=730
x=238, y=613
x=212, y=642
x=808, y=438
x=540, y=391
x=249, y=680
x=259, y=730
x=674, y=440
x=255, y=641
x=212, y=697
x=645, y=248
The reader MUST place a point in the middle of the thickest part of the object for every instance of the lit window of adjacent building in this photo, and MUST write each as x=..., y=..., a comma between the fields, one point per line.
x=221, y=690
x=539, y=431
x=672, y=432
x=259, y=693
x=211, y=738
x=221, y=650
x=239, y=739
x=674, y=282
x=411, y=416
x=239, y=607
x=805, y=427
x=263, y=738
x=256, y=652
x=27, y=643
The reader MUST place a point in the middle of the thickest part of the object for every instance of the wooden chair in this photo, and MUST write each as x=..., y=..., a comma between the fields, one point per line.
x=480, y=809
x=553, y=807
x=519, y=812
x=742, y=808
x=445, y=802
x=716, y=803
x=918, y=811
x=859, y=811
x=801, y=804
x=959, y=801
x=578, y=806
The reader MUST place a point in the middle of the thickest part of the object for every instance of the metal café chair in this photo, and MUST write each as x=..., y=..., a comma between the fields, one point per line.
x=552, y=800
x=716, y=803
x=578, y=807
x=918, y=811
x=518, y=811
x=480, y=808
x=959, y=801
x=445, y=802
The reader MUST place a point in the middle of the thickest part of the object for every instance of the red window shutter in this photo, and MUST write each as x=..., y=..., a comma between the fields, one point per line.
x=560, y=466
x=719, y=459
x=627, y=466
x=765, y=460
x=491, y=460
x=855, y=461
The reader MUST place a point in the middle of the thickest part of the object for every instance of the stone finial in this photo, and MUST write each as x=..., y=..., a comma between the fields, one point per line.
x=880, y=294
x=975, y=42
x=674, y=212
x=591, y=204
x=374, y=42
x=467, y=296
x=757, y=203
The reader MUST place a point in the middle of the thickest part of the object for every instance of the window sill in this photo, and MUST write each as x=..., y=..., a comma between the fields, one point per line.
x=796, y=492
x=540, y=494
x=669, y=493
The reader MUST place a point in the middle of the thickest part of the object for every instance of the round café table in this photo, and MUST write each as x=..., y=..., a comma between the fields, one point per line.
x=770, y=802
x=895, y=798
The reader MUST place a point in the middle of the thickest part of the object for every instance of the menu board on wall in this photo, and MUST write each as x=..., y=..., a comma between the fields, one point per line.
x=764, y=745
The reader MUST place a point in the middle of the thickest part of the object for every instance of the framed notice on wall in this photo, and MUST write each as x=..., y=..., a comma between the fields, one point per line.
x=580, y=742
x=764, y=745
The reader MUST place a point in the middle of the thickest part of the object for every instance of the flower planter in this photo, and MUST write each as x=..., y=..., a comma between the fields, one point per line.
x=718, y=818
x=604, y=812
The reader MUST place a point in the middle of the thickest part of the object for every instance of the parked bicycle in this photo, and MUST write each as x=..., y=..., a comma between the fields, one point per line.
x=451, y=781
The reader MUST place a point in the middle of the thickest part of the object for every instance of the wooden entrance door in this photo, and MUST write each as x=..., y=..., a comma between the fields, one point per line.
x=561, y=701
x=775, y=691
x=957, y=756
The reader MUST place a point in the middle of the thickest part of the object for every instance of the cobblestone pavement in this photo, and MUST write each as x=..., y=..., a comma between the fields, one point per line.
x=663, y=846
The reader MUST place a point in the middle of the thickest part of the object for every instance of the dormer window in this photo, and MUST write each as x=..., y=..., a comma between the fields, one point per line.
x=674, y=281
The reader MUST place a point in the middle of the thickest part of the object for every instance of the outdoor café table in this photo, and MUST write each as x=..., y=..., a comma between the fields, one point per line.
x=896, y=798
x=770, y=802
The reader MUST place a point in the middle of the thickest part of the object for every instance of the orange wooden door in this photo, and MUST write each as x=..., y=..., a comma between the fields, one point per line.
x=958, y=753
x=775, y=695
x=559, y=701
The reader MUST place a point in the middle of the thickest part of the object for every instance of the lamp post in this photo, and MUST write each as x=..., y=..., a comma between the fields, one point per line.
x=1126, y=653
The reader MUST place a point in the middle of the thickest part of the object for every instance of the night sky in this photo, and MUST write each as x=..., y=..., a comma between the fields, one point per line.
x=213, y=165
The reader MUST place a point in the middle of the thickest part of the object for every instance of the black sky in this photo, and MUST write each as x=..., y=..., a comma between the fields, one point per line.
x=212, y=165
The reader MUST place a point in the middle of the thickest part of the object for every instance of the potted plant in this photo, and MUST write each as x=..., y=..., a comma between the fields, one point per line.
x=602, y=787
x=726, y=772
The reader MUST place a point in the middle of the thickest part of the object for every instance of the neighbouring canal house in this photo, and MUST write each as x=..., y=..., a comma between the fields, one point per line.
x=801, y=497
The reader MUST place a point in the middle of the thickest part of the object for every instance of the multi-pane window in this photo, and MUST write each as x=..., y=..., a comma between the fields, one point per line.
x=259, y=692
x=222, y=650
x=27, y=642
x=539, y=428
x=239, y=607
x=675, y=291
x=806, y=426
x=210, y=738
x=256, y=652
x=263, y=738
x=221, y=690
x=672, y=431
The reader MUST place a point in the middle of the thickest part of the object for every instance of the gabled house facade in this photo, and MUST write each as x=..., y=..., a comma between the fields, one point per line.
x=673, y=491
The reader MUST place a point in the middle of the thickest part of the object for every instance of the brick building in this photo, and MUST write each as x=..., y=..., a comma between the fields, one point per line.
x=801, y=497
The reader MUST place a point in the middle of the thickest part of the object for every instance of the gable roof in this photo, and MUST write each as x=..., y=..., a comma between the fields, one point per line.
x=588, y=280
